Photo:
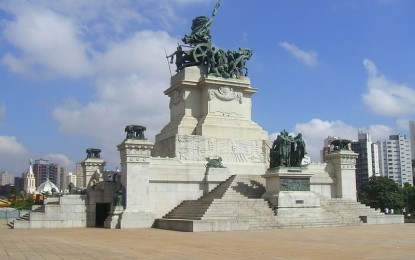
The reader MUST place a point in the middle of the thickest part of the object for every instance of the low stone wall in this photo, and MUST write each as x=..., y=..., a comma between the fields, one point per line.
x=69, y=213
x=383, y=219
x=409, y=219
x=9, y=213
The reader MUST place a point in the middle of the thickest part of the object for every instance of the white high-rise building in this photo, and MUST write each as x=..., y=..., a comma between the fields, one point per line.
x=79, y=176
x=367, y=163
x=70, y=177
x=6, y=178
x=412, y=138
x=395, y=159
x=375, y=159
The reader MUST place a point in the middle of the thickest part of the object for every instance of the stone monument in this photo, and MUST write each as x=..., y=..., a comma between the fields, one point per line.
x=209, y=139
x=135, y=153
x=210, y=106
x=343, y=161
x=287, y=181
x=92, y=164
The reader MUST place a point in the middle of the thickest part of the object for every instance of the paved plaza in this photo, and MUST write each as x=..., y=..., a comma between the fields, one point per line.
x=363, y=242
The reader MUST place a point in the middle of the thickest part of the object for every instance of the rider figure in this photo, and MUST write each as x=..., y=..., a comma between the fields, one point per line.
x=179, y=54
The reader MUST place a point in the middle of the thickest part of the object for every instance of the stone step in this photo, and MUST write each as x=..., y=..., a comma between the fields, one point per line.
x=251, y=212
x=21, y=224
x=238, y=200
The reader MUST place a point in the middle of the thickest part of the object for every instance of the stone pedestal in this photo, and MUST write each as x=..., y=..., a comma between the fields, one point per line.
x=289, y=187
x=135, y=172
x=210, y=106
x=113, y=221
x=344, y=166
x=90, y=166
x=211, y=116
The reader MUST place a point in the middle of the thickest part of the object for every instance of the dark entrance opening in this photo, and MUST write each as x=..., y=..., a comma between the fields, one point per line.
x=102, y=211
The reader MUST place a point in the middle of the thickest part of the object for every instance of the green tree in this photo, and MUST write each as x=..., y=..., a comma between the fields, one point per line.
x=20, y=200
x=15, y=195
x=408, y=192
x=381, y=193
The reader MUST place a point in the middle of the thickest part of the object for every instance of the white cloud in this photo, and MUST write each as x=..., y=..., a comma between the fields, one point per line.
x=60, y=159
x=71, y=39
x=380, y=132
x=385, y=97
x=316, y=130
x=129, y=84
x=10, y=146
x=308, y=58
x=49, y=44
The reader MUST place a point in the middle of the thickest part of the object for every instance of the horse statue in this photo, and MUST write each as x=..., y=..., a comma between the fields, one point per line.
x=237, y=61
x=135, y=131
x=93, y=153
x=341, y=144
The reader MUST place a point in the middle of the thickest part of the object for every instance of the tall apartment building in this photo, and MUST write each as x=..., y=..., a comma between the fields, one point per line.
x=79, y=172
x=19, y=181
x=367, y=163
x=62, y=174
x=375, y=157
x=395, y=159
x=6, y=178
x=412, y=138
x=412, y=142
x=68, y=178
x=43, y=170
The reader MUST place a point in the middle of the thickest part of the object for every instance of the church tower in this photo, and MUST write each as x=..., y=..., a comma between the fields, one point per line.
x=29, y=180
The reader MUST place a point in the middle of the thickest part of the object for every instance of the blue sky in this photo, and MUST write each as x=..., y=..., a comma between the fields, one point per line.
x=74, y=73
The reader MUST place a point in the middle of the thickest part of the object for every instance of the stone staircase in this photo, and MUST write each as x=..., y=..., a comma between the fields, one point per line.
x=24, y=221
x=313, y=217
x=68, y=211
x=349, y=209
x=236, y=204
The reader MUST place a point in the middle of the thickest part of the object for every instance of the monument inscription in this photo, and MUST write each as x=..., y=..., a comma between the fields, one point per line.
x=295, y=184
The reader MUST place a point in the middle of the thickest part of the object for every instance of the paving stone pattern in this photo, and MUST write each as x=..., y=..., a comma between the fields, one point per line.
x=355, y=242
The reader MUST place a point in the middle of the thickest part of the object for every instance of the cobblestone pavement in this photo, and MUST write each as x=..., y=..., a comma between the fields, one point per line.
x=363, y=242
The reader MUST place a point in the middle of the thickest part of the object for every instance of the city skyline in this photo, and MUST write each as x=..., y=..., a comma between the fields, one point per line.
x=74, y=74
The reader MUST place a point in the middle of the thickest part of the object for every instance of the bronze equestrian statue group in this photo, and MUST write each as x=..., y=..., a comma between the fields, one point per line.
x=220, y=63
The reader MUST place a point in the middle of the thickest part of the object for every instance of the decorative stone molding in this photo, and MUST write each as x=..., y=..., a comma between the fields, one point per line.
x=90, y=166
x=139, y=150
x=343, y=158
x=135, y=150
x=176, y=97
x=225, y=94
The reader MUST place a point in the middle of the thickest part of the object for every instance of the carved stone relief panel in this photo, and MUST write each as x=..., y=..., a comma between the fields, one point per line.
x=231, y=150
x=225, y=94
